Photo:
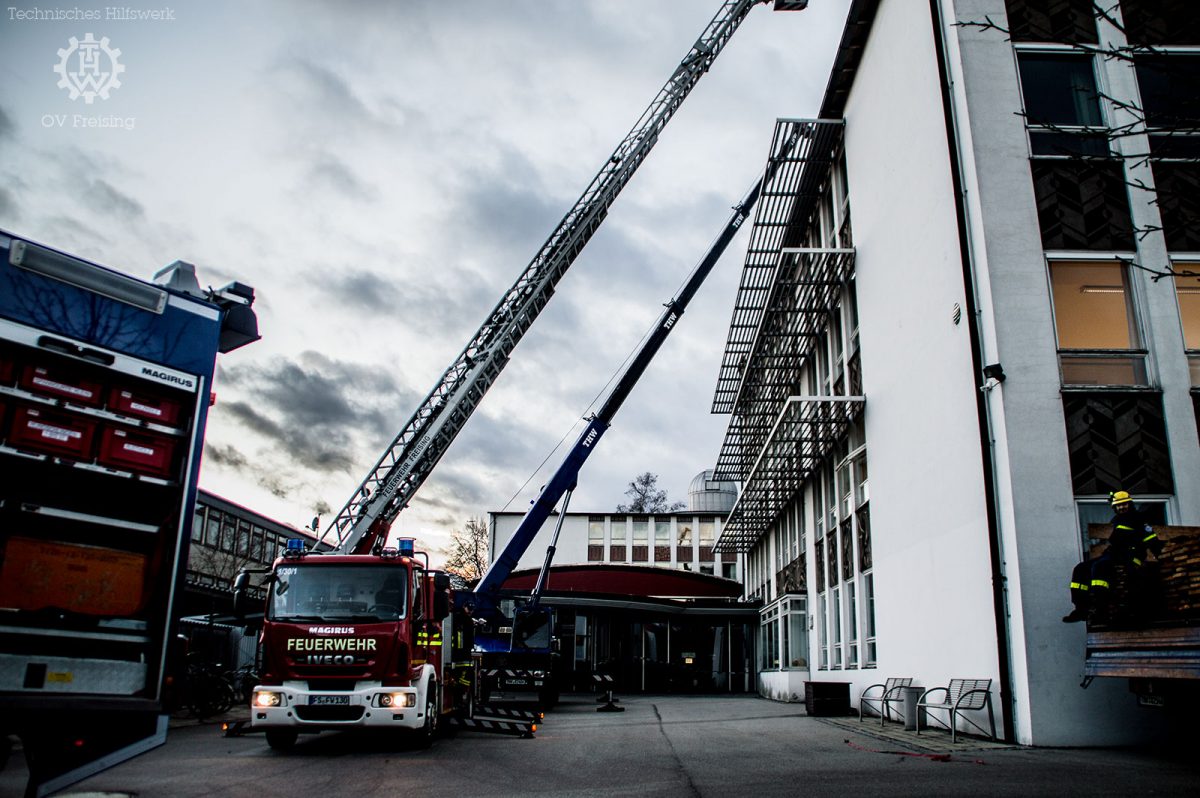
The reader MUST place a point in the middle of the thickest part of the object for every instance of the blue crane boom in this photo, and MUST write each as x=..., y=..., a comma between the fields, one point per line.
x=564, y=480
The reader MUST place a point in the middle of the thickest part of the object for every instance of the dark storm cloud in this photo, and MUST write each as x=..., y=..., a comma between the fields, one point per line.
x=358, y=291
x=228, y=456
x=316, y=408
x=106, y=198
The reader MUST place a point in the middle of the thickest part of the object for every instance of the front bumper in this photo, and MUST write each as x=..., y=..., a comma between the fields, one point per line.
x=365, y=707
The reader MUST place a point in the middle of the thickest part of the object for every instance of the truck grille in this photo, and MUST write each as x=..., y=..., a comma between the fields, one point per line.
x=344, y=714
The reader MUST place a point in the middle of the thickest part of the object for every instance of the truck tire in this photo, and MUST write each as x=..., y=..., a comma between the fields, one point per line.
x=281, y=739
x=429, y=729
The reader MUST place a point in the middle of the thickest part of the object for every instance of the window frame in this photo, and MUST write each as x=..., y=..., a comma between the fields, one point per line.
x=1138, y=356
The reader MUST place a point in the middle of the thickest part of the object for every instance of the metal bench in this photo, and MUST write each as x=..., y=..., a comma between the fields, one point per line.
x=958, y=696
x=890, y=692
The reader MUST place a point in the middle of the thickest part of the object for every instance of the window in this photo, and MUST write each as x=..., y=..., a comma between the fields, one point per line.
x=1187, y=289
x=1059, y=89
x=640, y=551
x=617, y=534
x=1098, y=341
x=228, y=533
x=256, y=543
x=595, y=538
x=243, y=544
x=869, y=618
x=851, y=625
x=835, y=633
x=212, y=529
x=729, y=570
x=795, y=622
x=198, y=525
x=769, y=639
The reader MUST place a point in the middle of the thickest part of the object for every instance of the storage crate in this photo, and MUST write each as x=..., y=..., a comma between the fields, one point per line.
x=92, y=580
x=52, y=432
x=144, y=405
x=62, y=383
x=143, y=452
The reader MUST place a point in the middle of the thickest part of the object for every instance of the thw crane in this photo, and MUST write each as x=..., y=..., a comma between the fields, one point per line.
x=363, y=523
x=518, y=649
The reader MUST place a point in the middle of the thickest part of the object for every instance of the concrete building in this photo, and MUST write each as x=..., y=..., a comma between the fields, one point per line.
x=928, y=406
x=643, y=598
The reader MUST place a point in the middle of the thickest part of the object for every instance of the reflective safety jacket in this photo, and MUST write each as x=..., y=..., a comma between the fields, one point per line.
x=1132, y=536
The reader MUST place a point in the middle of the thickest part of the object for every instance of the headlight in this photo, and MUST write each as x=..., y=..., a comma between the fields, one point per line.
x=263, y=698
x=397, y=699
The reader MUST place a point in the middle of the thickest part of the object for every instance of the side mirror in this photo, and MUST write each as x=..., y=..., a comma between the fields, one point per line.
x=240, y=597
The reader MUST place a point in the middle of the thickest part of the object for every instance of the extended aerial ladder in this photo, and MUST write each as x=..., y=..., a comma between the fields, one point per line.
x=363, y=523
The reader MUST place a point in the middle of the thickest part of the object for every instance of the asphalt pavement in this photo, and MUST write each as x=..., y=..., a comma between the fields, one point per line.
x=659, y=746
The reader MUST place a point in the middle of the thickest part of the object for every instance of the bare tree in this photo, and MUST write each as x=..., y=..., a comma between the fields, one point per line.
x=467, y=555
x=646, y=497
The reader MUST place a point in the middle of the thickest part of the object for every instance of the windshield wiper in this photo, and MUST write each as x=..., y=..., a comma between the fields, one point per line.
x=305, y=618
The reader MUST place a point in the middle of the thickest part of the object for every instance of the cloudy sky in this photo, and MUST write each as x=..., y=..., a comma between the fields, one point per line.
x=381, y=172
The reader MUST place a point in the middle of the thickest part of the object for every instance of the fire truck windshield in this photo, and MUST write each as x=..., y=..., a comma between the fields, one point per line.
x=338, y=593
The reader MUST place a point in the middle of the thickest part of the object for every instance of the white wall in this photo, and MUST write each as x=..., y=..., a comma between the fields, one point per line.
x=928, y=525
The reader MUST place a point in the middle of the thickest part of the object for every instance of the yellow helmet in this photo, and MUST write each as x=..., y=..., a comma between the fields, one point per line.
x=1121, y=497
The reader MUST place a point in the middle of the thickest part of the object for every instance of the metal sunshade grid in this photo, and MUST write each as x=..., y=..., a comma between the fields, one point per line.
x=783, y=304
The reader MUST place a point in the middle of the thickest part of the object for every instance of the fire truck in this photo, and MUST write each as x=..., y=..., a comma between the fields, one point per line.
x=359, y=640
x=105, y=385
x=335, y=655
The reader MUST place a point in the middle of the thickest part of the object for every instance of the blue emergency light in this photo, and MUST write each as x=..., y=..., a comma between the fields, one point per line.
x=406, y=546
x=295, y=548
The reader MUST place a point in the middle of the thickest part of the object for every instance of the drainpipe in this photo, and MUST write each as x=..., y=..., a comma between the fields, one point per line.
x=999, y=584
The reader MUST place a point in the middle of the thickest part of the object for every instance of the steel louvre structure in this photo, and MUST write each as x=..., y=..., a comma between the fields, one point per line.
x=777, y=437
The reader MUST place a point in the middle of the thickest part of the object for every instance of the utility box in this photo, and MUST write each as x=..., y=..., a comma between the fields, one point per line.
x=827, y=699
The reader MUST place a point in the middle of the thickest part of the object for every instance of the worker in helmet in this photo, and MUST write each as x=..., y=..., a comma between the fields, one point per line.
x=1131, y=538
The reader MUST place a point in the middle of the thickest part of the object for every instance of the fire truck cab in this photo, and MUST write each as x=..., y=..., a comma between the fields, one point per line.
x=358, y=641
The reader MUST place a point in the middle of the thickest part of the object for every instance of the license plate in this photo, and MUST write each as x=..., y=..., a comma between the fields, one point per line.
x=328, y=700
x=515, y=681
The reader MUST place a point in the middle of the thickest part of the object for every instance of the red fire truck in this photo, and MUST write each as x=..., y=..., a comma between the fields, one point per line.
x=359, y=640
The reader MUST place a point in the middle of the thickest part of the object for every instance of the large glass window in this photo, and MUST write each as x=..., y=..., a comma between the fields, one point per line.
x=1059, y=89
x=869, y=618
x=1098, y=340
x=796, y=623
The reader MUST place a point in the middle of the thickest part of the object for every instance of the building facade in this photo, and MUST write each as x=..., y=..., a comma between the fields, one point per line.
x=643, y=598
x=226, y=538
x=968, y=312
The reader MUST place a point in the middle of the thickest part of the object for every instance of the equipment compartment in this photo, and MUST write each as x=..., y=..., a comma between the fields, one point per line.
x=90, y=580
x=145, y=405
x=143, y=452
x=53, y=433
x=62, y=382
